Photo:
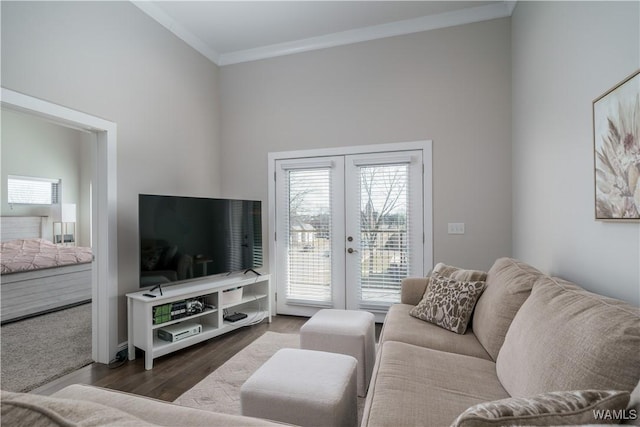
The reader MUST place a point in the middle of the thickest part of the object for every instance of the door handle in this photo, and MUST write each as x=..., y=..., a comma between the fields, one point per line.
x=351, y=250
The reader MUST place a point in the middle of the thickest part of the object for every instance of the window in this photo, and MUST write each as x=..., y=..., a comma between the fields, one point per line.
x=33, y=191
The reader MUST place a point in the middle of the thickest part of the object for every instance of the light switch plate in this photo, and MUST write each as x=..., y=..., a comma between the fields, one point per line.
x=456, y=228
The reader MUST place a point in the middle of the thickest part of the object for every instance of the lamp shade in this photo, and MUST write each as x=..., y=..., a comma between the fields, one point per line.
x=68, y=213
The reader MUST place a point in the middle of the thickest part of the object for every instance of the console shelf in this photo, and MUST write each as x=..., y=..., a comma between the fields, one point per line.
x=245, y=299
x=185, y=319
x=143, y=333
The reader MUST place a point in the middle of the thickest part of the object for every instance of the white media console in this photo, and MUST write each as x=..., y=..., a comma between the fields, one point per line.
x=146, y=315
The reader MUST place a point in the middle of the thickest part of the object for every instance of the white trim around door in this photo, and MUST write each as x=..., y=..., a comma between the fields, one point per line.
x=279, y=209
x=103, y=211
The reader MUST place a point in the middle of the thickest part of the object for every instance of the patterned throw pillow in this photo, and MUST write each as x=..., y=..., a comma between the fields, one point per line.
x=448, y=303
x=547, y=409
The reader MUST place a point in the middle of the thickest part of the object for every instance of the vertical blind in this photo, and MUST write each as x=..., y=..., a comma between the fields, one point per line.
x=309, y=234
x=384, y=246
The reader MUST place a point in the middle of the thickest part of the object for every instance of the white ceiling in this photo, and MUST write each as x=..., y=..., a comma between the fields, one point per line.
x=229, y=32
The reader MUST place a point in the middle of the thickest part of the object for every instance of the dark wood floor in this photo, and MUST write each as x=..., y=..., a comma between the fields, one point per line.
x=177, y=372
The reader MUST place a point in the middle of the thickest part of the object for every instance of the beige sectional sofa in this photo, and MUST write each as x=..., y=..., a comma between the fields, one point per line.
x=82, y=405
x=529, y=334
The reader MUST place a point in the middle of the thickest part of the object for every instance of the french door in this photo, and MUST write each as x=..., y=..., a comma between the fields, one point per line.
x=348, y=228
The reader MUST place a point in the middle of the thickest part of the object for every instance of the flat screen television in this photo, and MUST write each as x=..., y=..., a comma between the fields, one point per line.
x=185, y=238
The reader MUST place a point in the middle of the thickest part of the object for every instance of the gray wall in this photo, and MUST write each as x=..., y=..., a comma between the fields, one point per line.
x=34, y=147
x=450, y=85
x=173, y=108
x=565, y=55
x=112, y=61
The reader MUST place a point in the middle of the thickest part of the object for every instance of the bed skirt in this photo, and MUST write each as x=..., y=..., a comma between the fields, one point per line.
x=28, y=293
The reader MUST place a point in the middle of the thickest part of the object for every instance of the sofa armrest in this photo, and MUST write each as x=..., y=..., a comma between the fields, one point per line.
x=155, y=411
x=413, y=289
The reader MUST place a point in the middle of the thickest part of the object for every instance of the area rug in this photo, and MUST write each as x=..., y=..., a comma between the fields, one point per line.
x=220, y=390
x=38, y=350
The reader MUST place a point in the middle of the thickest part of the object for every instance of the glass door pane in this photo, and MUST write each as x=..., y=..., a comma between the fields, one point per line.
x=383, y=232
x=310, y=231
x=384, y=227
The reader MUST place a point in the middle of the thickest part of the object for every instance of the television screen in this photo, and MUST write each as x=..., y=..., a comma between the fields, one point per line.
x=183, y=238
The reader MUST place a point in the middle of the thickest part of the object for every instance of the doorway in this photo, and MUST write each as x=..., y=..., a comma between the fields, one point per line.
x=348, y=227
x=103, y=208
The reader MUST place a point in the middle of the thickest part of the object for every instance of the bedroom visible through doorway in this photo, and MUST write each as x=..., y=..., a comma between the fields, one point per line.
x=102, y=204
x=47, y=259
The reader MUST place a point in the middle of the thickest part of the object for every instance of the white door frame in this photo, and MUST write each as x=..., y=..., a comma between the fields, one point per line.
x=104, y=329
x=335, y=166
x=425, y=146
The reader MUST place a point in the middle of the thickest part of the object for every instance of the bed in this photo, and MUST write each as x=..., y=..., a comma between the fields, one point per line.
x=38, y=276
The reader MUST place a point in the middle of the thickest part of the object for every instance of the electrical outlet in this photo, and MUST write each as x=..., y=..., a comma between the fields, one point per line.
x=455, y=228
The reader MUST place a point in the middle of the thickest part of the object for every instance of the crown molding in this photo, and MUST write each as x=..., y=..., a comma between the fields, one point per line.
x=510, y=4
x=177, y=29
x=409, y=26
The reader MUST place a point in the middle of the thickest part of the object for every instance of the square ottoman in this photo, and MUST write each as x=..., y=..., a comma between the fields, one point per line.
x=303, y=387
x=348, y=332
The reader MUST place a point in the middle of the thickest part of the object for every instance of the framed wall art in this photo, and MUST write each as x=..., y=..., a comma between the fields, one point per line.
x=616, y=138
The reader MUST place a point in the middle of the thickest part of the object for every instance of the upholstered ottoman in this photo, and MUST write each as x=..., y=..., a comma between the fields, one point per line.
x=348, y=332
x=303, y=387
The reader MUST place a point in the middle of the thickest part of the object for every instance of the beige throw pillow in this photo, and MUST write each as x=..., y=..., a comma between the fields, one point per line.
x=457, y=273
x=548, y=409
x=448, y=303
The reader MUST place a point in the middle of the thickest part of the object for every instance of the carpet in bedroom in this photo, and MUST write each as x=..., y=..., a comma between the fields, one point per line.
x=38, y=350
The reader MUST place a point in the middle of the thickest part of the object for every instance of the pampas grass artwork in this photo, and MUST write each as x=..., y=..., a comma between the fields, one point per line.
x=616, y=133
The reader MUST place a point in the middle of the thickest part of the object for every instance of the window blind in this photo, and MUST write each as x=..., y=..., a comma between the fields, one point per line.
x=384, y=235
x=33, y=191
x=309, y=234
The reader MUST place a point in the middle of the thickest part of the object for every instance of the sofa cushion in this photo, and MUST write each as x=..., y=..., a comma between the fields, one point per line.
x=412, y=290
x=448, y=303
x=547, y=409
x=509, y=283
x=34, y=410
x=566, y=338
x=418, y=386
x=399, y=326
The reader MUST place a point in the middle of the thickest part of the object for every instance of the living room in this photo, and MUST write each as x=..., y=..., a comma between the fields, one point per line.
x=507, y=103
